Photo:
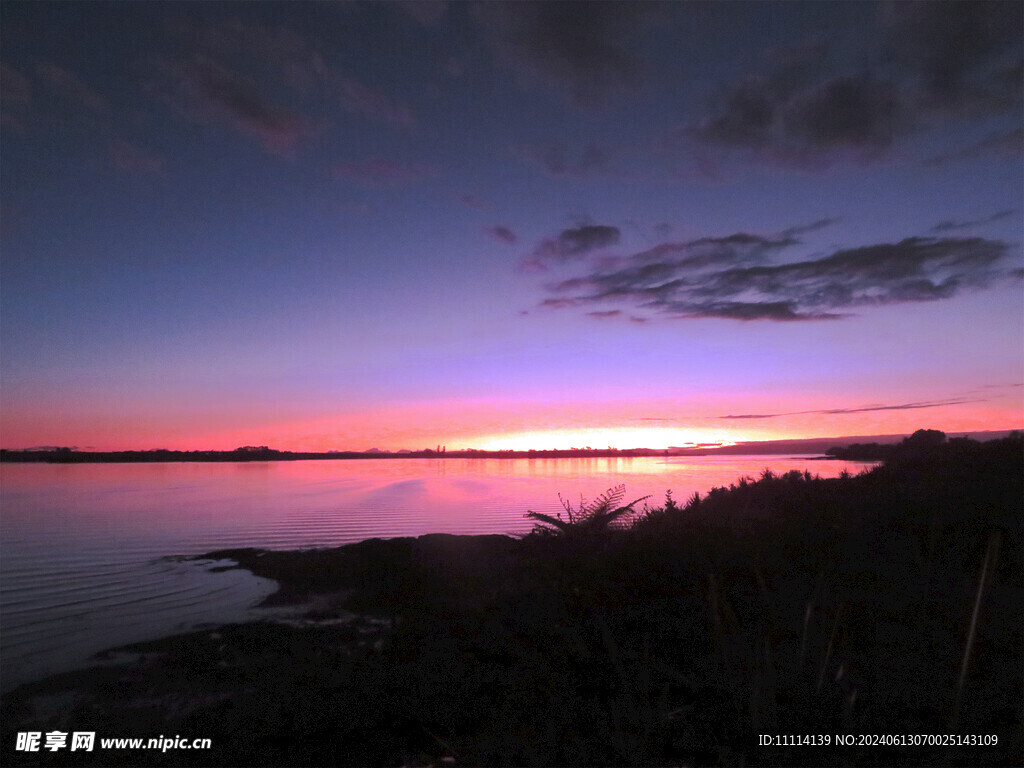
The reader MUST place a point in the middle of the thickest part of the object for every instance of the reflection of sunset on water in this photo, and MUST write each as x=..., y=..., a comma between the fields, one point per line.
x=86, y=536
x=186, y=507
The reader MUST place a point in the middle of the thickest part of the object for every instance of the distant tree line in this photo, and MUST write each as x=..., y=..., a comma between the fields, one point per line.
x=64, y=455
x=923, y=444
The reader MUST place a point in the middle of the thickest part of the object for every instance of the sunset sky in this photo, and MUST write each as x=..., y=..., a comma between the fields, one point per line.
x=395, y=225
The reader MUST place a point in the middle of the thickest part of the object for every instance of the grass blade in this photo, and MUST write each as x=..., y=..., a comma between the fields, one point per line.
x=988, y=565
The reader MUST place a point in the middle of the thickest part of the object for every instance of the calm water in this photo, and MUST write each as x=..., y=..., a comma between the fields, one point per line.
x=84, y=549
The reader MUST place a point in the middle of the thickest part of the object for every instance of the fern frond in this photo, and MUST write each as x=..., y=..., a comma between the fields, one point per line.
x=607, y=499
x=602, y=520
x=552, y=521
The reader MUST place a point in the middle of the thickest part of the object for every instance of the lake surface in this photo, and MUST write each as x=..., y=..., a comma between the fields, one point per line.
x=86, y=550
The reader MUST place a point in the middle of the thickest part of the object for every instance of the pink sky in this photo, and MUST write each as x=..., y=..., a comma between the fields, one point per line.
x=238, y=223
x=495, y=426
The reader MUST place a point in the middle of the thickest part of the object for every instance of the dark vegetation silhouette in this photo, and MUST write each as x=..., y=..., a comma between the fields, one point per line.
x=920, y=444
x=586, y=520
x=888, y=602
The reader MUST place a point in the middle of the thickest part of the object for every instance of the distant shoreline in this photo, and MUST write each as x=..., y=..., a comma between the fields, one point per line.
x=263, y=453
x=153, y=457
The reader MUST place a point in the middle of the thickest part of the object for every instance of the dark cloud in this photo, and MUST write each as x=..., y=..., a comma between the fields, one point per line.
x=932, y=62
x=749, y=112
x=746, y=116
x=733, y=250
x=844, y=112
x=842, y=411
x=572, y=243
x=207, y=91
x=743, y=277
x=1009, y=144
x=966, y=56
x=605, y=314
x=799, y=126
x=948, y=226
x=382, y=172
x=504, y=234
x=577, y=46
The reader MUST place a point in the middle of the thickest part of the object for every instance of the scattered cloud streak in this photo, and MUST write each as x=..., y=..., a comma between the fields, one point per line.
x=814, y=226
x=209, y=92
x=746, y=277
x=302, y=67
x=207, y=83
x=1003, y=386
x=844, y=411
x=949, y=226
x=503, y=234
x=1008, y=144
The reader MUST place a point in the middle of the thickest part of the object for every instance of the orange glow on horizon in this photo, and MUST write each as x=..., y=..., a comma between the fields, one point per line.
x=610, y=437
x=493, y=425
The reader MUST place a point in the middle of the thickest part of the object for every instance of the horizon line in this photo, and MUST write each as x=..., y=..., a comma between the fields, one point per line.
x=441, y=449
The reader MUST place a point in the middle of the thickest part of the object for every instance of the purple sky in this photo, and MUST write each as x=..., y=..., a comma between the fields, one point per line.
x=354, y=225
